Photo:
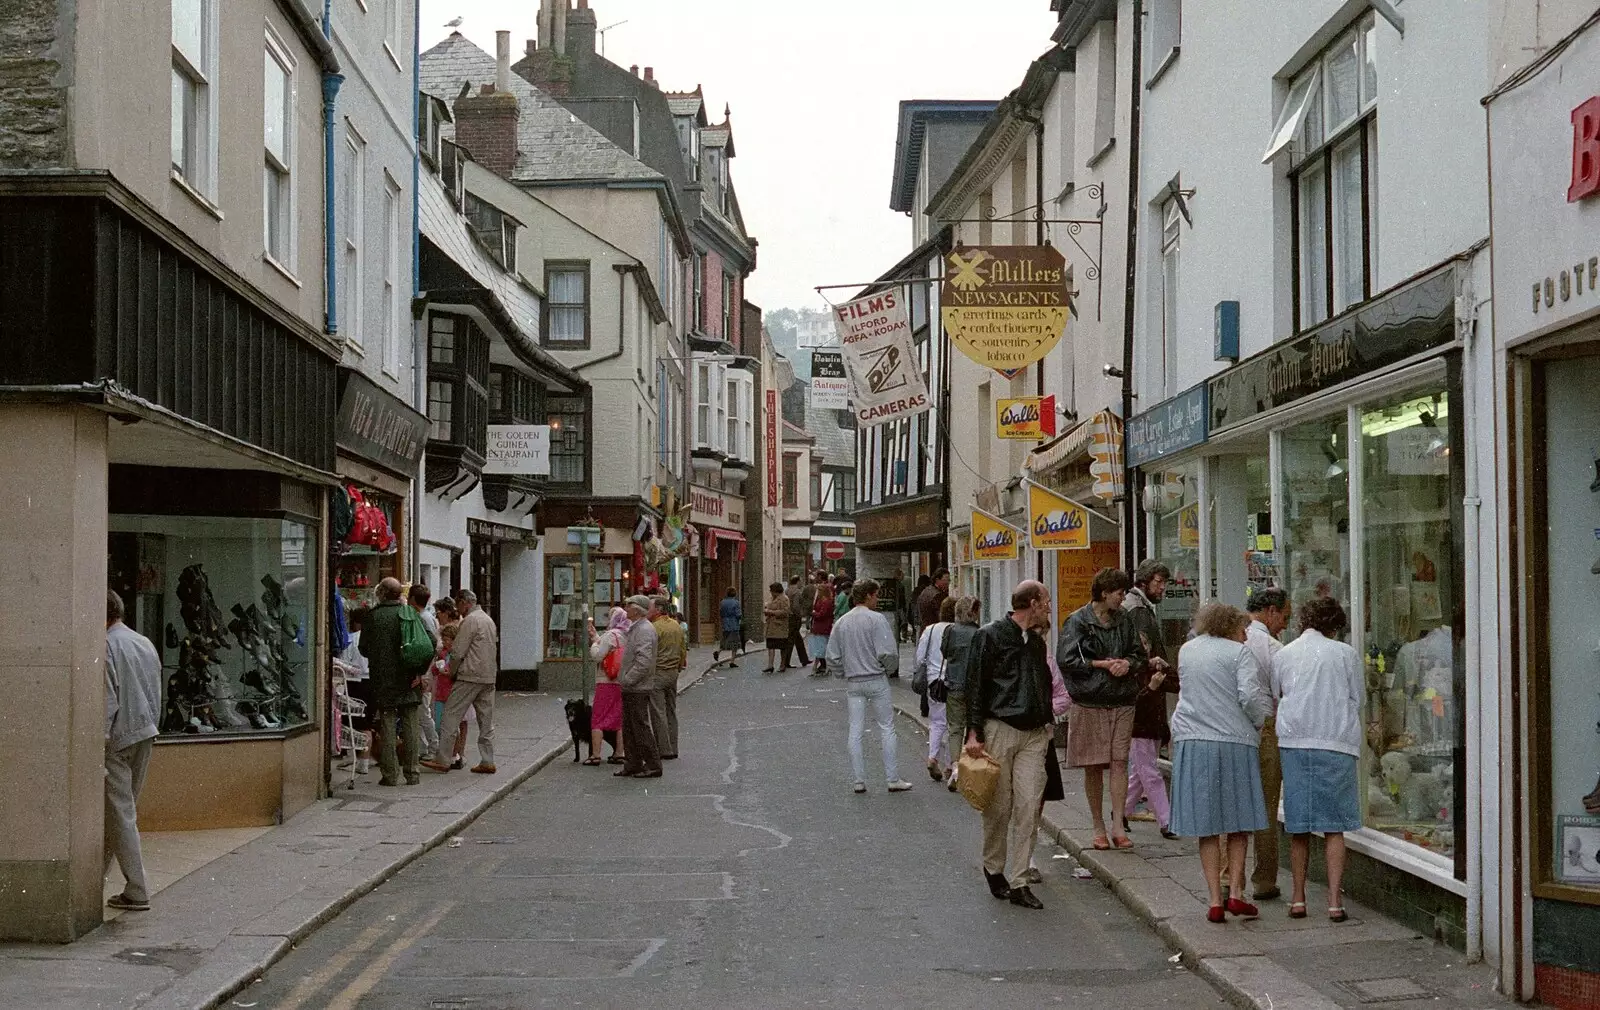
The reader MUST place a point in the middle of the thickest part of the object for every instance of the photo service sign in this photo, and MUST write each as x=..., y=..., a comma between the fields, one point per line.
x=830, y=386
x=885, y=382
x=522, y=449
x=1004, y=306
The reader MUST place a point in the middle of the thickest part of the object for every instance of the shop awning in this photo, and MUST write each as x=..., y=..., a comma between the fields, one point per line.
x=1105, y=447
x=715, y=535
x=1067, y=448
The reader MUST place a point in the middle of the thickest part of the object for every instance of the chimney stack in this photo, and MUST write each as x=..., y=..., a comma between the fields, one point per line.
x=634, y=70
x=582, y=33
x=502, y=62
x=559, y=28
x=530, y=47
x=650, y=78
x=546, y=23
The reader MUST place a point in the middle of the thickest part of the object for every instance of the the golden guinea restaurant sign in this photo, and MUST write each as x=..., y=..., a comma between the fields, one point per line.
x=1004, y=306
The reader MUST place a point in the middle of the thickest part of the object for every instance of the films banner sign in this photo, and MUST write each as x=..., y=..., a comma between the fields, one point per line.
x=1026, y=418
x=885, y=382
x=1056, y=523
x=993, y=539
x=1005, y=307
x=830, y=385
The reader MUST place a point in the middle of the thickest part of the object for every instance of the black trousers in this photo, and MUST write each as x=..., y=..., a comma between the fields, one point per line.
x=795, y=644
x=638, y=738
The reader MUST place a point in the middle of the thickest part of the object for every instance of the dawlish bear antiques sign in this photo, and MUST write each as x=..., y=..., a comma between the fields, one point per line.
x=1005, y=306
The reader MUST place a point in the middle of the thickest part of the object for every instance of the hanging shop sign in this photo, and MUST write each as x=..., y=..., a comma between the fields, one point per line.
x=993, y=539
x=773, y=481
x=379, y=426
x=499, y=533
x=915, y=520
x=1166, y=428
x=1026, y=418
x=1056, y=523
x=1075, y=572
x=1004, y=306
x=520, y=449
x=830, y=385
x=1413, y=319
x=886, y=383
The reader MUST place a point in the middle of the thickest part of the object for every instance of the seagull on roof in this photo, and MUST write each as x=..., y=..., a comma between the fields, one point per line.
x=454, y=22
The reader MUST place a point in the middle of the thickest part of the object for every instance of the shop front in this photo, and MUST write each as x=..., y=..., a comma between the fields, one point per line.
x=580, y=584
x=719, y=564
x=906, y=536
x=833, y=549
x=1545, y=206
x=1333, y=465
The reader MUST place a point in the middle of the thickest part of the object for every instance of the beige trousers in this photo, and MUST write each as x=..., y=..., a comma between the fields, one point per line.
x=1011, y=819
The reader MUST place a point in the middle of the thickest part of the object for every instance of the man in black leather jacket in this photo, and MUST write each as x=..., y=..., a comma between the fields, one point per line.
x=1009, y=718
x=1104, y=663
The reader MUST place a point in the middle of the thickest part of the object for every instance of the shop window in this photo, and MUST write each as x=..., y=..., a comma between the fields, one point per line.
x=1567, y=717
x=791, y=482
x=1330, y=120
x=1172, y=498
x=230, y=605
x=1316, y=484
x=844, y=483
x=569, y=439
x=1411, y=595
x=609, y=584
x=566, y=306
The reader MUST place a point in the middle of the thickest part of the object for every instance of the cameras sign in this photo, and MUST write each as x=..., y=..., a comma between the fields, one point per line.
x=1005, y=307
x=885, y=382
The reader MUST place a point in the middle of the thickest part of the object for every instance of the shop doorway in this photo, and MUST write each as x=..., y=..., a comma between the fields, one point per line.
x=486, y=576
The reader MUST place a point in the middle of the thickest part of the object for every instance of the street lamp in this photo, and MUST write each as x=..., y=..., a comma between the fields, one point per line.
x=584, y=535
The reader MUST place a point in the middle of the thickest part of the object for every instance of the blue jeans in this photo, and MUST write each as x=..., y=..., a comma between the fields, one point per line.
x=859, y=693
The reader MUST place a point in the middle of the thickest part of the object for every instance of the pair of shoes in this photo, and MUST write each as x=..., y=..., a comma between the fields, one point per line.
x=899, y=786
x=1216, y=914
x=997, y=884
x=127, y=904
x=438, y=766
x=767, y=670
x=859, y=788
x=1122, y=841
x=1337, y=914
x=1243, y=909
x=484, y=768
x=1170, y=835
x=1297, y=910
x=387, y=782
x=1023, y=896
x=648, y=775
x=593, y=760
x=1266, y=894
x=1033, y=875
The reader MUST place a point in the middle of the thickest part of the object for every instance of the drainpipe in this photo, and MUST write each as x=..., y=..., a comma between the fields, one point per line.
x=1038, y=227
x=1472, y=504
x=330, y=94
x=419, y=347
x=1130, y=496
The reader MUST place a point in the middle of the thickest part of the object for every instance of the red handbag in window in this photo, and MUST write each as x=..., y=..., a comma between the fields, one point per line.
x=371, y=526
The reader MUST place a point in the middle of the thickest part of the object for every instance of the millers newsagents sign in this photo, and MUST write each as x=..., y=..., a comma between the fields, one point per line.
x=1004, y=306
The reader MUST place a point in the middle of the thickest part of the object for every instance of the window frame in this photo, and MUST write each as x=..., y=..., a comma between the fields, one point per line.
x=816, y=490
x=391, y=275
x=699, y=320
x=551, y=268
x=278, y=174
x=198, y=144
x=557, y=407
x=791, y=480
x=353, y=257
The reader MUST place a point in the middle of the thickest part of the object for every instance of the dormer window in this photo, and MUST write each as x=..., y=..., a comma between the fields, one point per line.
x=451, y=172
x=495, y=229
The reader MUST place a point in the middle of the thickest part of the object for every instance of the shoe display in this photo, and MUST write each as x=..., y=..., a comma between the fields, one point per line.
x=1024, y=897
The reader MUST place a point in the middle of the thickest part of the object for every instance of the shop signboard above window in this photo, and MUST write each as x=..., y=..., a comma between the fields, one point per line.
x=713, y=508
x=1169, y=427
x=521, y=449
x=379, y=426
x=1408, y=321
x=499, y=533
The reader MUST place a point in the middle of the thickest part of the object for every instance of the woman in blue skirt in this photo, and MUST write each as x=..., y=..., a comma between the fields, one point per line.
x=1216, y=773
x=1321, y=688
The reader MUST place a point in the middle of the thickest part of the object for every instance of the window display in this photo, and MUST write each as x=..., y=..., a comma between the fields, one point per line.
x=1316, y=504
x=1572, y=591
x=568, y=633
x=1173, y=498
x=1410, y=596
x=228, y=602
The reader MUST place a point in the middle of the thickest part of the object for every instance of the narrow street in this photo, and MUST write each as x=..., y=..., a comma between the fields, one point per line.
x=749, y=876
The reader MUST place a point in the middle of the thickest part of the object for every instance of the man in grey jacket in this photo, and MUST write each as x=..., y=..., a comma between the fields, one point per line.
x=133, y=696
x=638, y=683
x=862, y=650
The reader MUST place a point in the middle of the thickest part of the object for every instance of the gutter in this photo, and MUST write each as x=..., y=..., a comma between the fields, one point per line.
x=1130, y=497
x=330, y=258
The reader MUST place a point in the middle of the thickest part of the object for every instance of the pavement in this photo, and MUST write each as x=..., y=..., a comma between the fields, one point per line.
x=749, y=875
x=214, y=930
x=1274, y=962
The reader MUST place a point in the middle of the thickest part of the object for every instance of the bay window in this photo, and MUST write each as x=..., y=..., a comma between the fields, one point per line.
x=569, y=439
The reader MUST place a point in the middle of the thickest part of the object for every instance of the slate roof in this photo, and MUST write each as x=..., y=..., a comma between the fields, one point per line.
x=686, y=103
x=838, y=444
x=553, y=145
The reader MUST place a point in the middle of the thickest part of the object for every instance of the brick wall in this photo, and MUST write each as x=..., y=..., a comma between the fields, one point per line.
x=486, y=125
x=712, y=324
x=33, y=86
x=1566, y=988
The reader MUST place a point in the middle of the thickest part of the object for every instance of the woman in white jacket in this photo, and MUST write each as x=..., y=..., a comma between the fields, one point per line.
x=1321, y=690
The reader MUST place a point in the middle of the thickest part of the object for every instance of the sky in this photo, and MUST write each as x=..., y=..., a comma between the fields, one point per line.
x=815, y=90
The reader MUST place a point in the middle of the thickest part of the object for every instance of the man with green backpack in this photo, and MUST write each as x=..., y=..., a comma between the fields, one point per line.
x=398, y=650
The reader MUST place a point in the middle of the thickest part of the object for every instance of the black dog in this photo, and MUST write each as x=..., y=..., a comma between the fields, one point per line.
x=579, y=716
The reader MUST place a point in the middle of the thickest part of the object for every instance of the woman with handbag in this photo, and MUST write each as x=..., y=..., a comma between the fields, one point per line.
x=927, y=679
x=605, y=715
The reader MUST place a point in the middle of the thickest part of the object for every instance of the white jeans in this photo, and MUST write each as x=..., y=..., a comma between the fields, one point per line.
x=936, y=729
x=858, y=693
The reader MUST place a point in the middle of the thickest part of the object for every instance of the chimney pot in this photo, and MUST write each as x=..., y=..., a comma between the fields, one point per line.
x=634, y=70
x=502, y=61
x=530, y=47
x=649, y=73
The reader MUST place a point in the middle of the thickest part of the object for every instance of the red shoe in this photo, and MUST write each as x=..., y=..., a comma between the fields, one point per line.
x=1243, y=909
x=1216, y=914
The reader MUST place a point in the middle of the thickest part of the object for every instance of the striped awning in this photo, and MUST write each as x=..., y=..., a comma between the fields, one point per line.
x=1065, y=448
x=1105, y=449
